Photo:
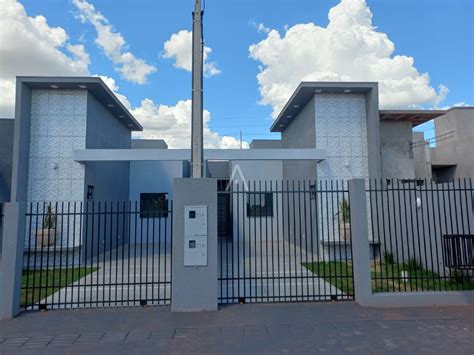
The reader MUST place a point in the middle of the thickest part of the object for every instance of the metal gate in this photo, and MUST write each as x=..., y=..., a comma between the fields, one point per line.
x=290, y=242
x=97, y=254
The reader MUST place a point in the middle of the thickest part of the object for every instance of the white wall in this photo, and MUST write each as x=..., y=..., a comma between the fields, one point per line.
x=256, y=228
x=58, y=126
x=341, y=130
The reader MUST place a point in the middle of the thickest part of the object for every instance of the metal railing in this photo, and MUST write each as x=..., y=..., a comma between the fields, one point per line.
x=286, y=243
x=95, y=254
x=412, y=219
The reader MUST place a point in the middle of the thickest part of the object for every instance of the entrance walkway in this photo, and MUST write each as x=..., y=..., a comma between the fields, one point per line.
x=271, y=271
x=122, y=276
x=304, y=328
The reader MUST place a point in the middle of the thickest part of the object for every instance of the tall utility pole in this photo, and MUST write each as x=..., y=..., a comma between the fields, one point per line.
x=197, y=158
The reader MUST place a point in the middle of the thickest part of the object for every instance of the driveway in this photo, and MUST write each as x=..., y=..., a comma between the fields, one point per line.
x=264, y=271
x=124, y=276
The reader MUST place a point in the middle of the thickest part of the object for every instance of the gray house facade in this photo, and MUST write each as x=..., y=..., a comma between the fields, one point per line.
x=73, y=141
x=448, y=155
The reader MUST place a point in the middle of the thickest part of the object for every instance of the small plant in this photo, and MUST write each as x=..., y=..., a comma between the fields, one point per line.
x=344, y=212
x=414, y=264
x=49, y=219
x=388, y=258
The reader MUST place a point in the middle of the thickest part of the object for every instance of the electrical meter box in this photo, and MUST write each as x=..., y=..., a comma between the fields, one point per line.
x=195, y=236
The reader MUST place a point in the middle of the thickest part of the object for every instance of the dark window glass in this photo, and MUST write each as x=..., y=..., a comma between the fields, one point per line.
x=153, y=205
x=259, y=204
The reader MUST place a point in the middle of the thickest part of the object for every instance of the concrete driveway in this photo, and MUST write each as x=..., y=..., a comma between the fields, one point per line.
x=265, y=271
x=124, y=276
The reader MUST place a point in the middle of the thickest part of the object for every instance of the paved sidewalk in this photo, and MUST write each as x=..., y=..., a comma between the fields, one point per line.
x=333, y=328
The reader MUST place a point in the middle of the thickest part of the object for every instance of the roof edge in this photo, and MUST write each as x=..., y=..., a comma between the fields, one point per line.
x=86, y=80
x=325, y=86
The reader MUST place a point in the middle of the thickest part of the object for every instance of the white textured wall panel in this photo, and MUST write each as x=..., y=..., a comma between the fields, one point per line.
x=341, y=130
x=58, y=125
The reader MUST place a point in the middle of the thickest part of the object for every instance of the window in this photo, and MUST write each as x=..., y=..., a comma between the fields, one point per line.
x=153, y=205
x=259, y=204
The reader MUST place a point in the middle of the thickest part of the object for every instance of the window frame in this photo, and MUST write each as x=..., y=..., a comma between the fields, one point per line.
x=154, y=212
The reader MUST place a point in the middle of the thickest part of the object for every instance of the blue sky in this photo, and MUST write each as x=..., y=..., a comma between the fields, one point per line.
x=438, y=34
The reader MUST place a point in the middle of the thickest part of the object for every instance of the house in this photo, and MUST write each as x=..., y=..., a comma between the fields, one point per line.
x=73, y=142
x=451, y=157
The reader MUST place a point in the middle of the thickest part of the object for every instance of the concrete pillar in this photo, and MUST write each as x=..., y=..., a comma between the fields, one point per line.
x=11, y=266
x=360, y=240
x=194, y=288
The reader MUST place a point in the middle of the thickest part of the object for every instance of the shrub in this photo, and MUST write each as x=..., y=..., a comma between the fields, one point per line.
x=414, y=264
x=388, y=257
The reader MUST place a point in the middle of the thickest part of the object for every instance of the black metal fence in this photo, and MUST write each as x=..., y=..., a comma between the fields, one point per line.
x=289, y=241
x=95, y=254
x=426, y=232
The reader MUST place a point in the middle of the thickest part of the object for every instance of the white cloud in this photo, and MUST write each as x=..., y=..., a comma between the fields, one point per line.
x=172, y=123
x=29, y=46
x=113, y=44
x=179, y=48
x=110, y=82
x=260, y=27
x=348, y=49
x=457, y=104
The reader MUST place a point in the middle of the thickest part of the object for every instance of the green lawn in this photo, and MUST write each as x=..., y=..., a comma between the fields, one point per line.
x=339, y=274
x=419, y=278
x=37, y=285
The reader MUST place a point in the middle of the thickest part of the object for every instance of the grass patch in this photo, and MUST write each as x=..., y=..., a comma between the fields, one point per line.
x=337, y=273
x=388, y=277
x=40, y=284
x=412, y=276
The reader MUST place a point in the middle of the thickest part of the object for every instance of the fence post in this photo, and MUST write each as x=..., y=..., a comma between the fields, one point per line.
x=194, y=288
x=12, y=259
x=360, y=241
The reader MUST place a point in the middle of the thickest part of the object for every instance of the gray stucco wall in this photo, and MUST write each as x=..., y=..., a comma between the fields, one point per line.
x=194, y=288
x=301, y=133
x=218, y=169
x=421, y=156
x=265, y=144
x=149, y=144
x=457, y=149
x=152, y=177
x=105, y=131
x=21, y=143
x=396, y=152
x=110, y=179
x=373, y=132
x=6, y=156
x=410, y=221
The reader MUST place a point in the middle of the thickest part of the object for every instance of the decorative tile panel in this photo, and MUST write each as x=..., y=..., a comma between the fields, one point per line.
x=53, y=135
x=58, y=125
x=341, y=130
